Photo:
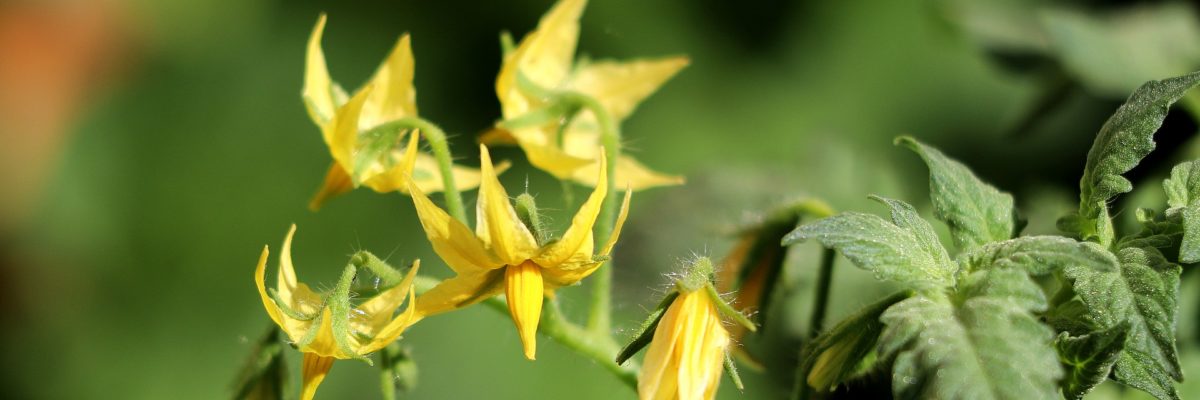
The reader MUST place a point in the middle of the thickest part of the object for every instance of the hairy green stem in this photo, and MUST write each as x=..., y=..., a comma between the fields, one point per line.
x=600, y=316
x=441, y=152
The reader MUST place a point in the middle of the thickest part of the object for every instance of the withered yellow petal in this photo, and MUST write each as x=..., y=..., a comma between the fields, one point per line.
x=523, y=290
x=460, y=291
x=313, y=370
x=551, y=159
x=341, y=133
x=397, y=177
x=394, y=96
x=451, y=240
x=259, y=277
x=620, y=86
x=581, y=225
x=286, y=282
x=336, y=183
x=497, y=224
x=375, y=313
x=393, y=329
x=616, y=233
x=630, y=174
x=383, y=334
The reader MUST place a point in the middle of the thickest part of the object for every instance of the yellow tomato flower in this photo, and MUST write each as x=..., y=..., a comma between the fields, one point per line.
x=388, y=96
x=686, y=355
x=308, y=319
x=502, y=254
x=545, y=57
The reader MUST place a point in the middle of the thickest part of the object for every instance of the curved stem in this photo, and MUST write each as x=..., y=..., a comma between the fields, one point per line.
x=441, y=152
x=600, y=315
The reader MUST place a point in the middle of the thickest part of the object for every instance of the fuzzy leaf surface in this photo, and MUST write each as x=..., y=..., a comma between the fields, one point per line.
x=1183, y=198
x=904, y=250
x=1040, y=255
x=982, y=342
x=1142, y=293
x=1088, y=359
x=1126, y=138
x=976, y=212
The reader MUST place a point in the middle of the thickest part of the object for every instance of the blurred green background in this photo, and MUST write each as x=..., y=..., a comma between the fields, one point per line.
x=128, y=242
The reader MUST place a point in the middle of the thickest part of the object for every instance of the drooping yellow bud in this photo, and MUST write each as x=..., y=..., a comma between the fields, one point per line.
x=523, y=287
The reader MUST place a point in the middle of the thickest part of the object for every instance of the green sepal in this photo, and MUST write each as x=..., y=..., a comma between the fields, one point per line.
x=727, y=310
x=313, y=329
x=264, y=373
x=1088, y=359
x=646, y=332
x=697, y=273
x=507, y=45
x=976, y=212
x=731, y=369
x=340, y=309
x=289, y=311
x=846, y=345
x=376, y=145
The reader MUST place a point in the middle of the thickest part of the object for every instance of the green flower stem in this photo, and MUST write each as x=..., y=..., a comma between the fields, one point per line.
x=600, y=317
x=387, y=374
x=599, y=347
x=801, y=390
x=441, y=151
x=821, y=302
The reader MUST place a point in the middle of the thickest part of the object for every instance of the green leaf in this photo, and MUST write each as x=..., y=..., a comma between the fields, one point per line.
x=982, y=342
x=1039, y=255
x=976, y=212
x=1142, y=293
x=834, y=357
x=1123, y=141
x=904, y=250
x=1088, y=359
x=1183, y=198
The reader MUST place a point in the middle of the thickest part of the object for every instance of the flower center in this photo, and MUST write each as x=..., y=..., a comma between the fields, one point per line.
x=523, y=287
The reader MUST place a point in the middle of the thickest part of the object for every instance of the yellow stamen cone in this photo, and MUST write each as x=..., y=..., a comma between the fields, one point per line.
x=523, y=286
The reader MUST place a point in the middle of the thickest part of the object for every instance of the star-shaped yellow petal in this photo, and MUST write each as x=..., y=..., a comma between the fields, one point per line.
x=388, y=96
x=307, y=319
x=502, y=255
x=544, y=58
